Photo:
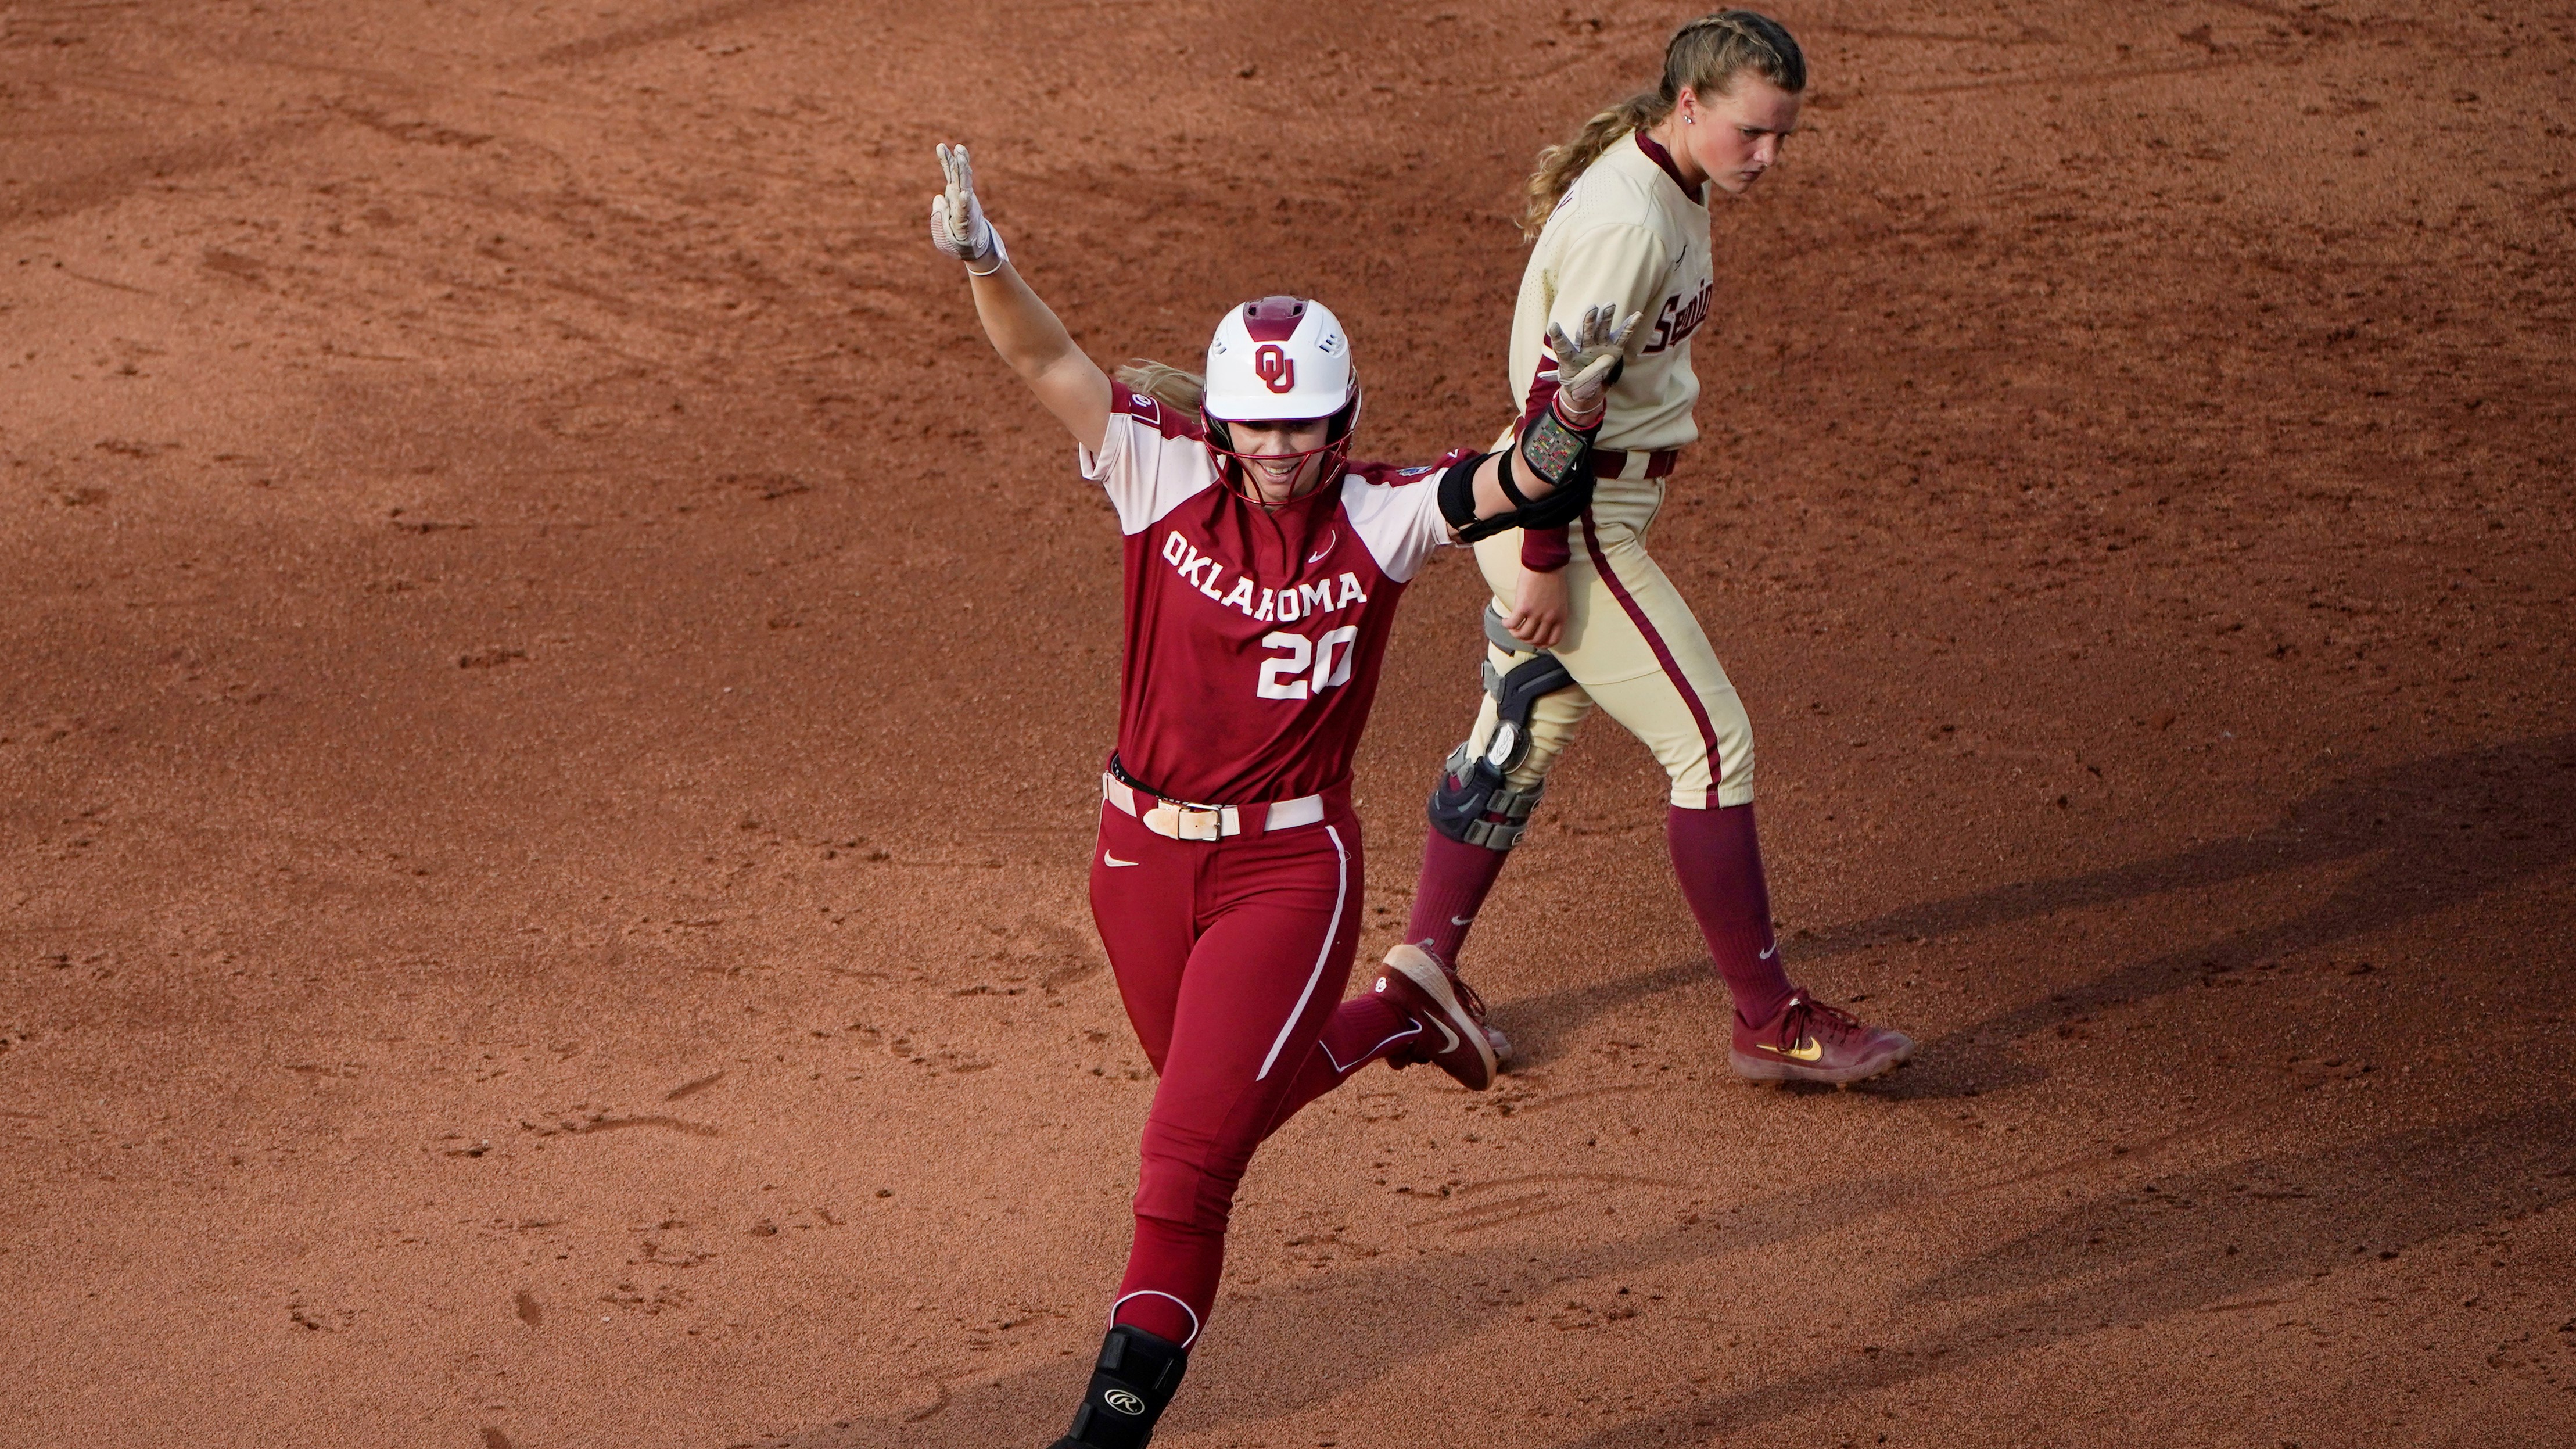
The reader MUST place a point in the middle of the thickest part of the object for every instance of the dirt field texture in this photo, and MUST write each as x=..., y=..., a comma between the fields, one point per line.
x=551, y=694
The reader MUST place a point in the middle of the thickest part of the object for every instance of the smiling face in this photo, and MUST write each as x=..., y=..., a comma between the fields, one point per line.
x=1732, y=137
x=1281, y=460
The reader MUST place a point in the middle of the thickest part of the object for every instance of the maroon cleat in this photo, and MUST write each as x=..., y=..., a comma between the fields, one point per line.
x=1452, y=1019
x=1809, y=1041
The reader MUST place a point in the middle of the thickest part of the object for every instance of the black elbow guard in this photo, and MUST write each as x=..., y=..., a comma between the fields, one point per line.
x=1458, y=500
x=1557, y=509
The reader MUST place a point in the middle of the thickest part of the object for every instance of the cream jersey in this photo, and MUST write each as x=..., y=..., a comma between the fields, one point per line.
x=1626, y=232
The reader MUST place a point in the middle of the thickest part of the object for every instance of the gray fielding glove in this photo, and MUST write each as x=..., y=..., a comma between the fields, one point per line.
x=957, y=224
x=1589, y=362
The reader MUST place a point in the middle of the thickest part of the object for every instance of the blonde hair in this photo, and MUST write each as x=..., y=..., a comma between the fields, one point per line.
x=1173, y=388
x=1706, y=55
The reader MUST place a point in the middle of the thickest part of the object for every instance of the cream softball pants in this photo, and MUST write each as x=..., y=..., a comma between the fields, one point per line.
x=1635, y=651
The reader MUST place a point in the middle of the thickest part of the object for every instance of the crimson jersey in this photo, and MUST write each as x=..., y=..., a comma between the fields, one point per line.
x=1253, y=637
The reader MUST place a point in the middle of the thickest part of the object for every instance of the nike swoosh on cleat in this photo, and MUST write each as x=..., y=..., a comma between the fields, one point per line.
x=1448, y=1038
x=1808, y=1049
x=1113, y=860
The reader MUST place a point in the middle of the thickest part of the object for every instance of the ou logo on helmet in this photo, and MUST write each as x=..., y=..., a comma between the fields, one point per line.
x=1123, y=1401
x=1276, y=369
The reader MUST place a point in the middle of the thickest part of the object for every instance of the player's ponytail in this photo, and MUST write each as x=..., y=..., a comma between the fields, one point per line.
x=1706, y=55
x=1173, y=388
x=1558, y=166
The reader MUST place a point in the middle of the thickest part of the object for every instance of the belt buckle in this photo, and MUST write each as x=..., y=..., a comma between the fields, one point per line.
x=1187, y=822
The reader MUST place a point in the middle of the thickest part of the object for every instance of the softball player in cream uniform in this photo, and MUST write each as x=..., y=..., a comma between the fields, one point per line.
x=1582, y=618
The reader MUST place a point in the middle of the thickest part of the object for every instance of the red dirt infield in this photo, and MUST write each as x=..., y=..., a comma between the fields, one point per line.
x=551, y=694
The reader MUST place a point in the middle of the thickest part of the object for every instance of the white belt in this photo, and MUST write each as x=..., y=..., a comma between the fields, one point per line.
x=1180, y=821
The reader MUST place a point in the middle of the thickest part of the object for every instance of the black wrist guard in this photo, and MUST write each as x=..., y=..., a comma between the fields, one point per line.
x=1134, y=1378
x=1555, y=452
x=1553, y=448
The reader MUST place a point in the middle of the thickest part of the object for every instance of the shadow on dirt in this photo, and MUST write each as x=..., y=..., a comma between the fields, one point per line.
x=1299, y=1344
x=2235, y=1239
x=2436, y=833
x=1538, y=1025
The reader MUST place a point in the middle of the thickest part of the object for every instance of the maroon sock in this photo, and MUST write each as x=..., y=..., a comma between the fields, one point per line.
x=1455, y=878
x=1363, y=1029
x=1719, y=860
x=1170, y=1266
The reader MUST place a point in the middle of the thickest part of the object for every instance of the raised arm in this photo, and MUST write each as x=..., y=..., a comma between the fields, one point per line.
x=1543, y=479
x=1022, y=328
x=1619, y=264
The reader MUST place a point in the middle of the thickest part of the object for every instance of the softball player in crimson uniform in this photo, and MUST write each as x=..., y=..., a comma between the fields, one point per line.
x=1582, y=617
x=1262, y=574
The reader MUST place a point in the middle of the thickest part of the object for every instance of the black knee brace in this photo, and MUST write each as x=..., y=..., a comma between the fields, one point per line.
x=1471, y=804
x=1135, y=1376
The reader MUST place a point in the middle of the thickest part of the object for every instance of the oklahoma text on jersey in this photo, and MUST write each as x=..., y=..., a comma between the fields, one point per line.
x=1253, y=636
x=1286, y=605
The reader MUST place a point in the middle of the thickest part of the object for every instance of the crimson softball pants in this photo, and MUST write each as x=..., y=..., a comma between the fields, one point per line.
x=1231, y=957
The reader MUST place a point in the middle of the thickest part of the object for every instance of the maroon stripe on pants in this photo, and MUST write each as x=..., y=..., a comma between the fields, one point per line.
x=1655, y=641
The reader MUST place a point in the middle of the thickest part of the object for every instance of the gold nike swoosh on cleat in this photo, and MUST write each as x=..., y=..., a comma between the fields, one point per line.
x=1808, y=1049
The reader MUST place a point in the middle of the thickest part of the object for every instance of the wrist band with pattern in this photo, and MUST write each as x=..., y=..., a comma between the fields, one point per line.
x=1554, y=448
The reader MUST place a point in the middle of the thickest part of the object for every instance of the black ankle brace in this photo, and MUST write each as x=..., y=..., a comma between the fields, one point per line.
x=1136, y=1375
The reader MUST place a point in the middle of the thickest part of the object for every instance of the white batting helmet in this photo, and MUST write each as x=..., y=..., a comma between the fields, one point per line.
x=1276, y=360
x=1279, y=358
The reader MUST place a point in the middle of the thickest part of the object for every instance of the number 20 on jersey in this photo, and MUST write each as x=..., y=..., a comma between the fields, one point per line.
x=1302, y=667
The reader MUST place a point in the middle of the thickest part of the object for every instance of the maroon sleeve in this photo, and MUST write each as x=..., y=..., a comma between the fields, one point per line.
x=1151, y=412
x=1542, y=387
x=1543, y=550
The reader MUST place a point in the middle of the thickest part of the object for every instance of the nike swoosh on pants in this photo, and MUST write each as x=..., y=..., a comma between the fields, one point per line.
x=1107, y=859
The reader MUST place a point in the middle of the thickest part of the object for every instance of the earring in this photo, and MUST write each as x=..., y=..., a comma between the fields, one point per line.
x=1690, y=120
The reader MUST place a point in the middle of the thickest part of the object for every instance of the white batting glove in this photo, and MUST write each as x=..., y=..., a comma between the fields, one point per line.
x=957, y=224
x=1585, y=362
